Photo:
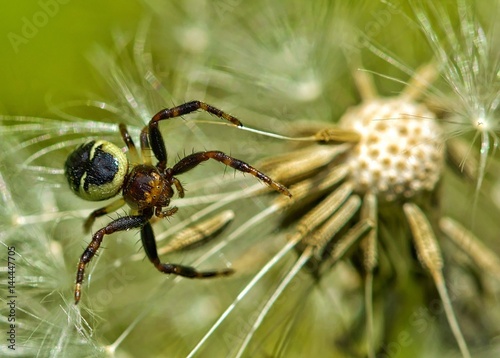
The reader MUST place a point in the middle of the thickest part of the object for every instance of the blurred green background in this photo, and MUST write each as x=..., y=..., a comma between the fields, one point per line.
x=44, y=44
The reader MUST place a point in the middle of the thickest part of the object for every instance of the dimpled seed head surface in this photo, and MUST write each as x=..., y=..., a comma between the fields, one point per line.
x=401, y=150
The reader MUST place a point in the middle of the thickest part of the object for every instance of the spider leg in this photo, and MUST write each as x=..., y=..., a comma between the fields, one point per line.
x=179, y=187
x=115, y=205
x=157, y=143
x=134, y=155
x=121, y=224
x=163, y=214
x=149, y=244
x=145, y=147
x=192, y=160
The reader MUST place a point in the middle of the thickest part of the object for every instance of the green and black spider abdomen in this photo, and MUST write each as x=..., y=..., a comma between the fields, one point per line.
x=96, y=170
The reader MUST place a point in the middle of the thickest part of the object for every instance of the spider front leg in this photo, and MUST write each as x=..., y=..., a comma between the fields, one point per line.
x=155, y=137
x=192, y=160
x=149, y=244
x=121, y=224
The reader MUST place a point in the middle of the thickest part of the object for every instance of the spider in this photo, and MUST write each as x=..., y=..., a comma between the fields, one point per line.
x=98, y=170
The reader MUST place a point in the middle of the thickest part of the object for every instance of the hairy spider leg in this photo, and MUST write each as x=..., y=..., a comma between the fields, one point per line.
x=121, y=224
x=189, y=162
x=157, y=143
x=149, y=244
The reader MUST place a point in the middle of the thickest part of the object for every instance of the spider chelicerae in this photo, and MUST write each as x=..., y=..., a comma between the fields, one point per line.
x=98, y=170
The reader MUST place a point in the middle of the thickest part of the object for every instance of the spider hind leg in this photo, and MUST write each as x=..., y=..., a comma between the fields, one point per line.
x=121, y=224
x=149, y=244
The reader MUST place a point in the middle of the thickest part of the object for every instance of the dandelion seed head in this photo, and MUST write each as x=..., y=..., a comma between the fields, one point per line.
x=400, y=151
x=482, y=124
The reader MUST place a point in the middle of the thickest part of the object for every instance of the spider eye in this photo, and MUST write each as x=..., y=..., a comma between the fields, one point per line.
x=96, y=170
